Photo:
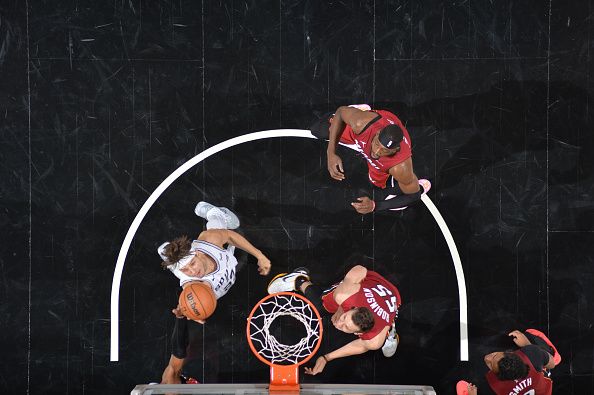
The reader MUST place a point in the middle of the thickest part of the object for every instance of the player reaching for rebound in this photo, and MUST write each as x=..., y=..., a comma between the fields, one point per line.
x=209, y=261
x=386, y=145
x=364, y=303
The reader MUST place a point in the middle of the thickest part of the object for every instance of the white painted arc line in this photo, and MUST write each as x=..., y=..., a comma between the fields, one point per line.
x=117, y=276
x=460, y=279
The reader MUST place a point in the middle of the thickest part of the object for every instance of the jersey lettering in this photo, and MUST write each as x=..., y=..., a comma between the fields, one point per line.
x=383, y=291
x=374, y=306
x=521, y=385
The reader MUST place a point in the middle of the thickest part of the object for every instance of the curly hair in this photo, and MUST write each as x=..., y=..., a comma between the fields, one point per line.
x=511, y=367
x=176, y=250
x=363, y=319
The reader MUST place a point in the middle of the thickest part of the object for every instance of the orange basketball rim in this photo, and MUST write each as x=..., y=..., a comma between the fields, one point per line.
x=284, y=360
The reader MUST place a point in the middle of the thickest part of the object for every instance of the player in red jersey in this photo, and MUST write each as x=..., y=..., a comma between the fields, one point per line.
x=520, y=372
x=385, y=143
x=364, y=303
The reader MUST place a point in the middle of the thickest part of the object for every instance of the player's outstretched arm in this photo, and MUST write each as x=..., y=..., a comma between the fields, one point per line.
x=355, y=347
x=224, y=236
x=239, y=241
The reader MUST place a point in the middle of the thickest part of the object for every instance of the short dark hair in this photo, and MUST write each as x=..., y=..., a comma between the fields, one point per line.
x=511, y=367
x=391, y=136
x=176, y=250
x=363, y=319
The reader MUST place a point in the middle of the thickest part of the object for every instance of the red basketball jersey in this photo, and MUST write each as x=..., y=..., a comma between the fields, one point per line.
x=533, y=384
x=379, y=295
x=378, y=169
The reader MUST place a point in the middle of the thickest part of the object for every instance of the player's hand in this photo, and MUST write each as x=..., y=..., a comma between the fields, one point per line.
x=177, y=312
x=472, y=390
x=519, y=338
x=264, y=265
x=335, y=167
x=318, y=367
x=363, y=205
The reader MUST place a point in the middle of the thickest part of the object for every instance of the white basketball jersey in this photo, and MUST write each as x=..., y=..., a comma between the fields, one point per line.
x=223, y=277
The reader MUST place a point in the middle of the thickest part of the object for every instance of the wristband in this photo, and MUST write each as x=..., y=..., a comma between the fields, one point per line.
x=325, y=358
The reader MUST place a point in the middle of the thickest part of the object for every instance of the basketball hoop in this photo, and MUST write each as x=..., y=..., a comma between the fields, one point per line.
x=284, y=359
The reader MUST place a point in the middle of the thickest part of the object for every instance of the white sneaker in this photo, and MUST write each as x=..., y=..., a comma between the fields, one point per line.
x=391, y=343
x=362, y=107
x=210, y=212
x=426, y=184
x=285, y=282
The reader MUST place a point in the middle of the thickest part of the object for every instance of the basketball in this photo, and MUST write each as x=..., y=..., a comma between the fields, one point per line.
x=197, y=301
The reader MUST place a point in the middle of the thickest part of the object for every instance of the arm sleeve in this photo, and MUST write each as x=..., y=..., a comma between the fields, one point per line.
x=400, y=200
x=539, y=342
x=537, y=356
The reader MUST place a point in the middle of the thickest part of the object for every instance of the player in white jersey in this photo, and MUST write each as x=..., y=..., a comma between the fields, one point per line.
x=208, y=259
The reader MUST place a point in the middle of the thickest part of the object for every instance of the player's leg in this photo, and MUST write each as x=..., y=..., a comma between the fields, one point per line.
x=299, y=281
x=172, y=372
x=285, y=282
x=179, y=344
x=314, y=293
x=217, y=217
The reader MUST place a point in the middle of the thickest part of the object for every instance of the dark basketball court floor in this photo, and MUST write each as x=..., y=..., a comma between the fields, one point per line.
x=101, y=101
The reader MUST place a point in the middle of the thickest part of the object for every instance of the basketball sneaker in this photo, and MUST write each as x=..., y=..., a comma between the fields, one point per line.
x=391, y=343
x=362, y=107
x=285, y=282
x=222, y=214
x=426, y=184
x=462, y=387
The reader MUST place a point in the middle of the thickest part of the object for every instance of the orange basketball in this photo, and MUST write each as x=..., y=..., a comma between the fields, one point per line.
x=197, y=301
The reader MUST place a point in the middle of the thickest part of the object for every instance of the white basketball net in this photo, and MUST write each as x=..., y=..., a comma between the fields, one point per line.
x=268, y=346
